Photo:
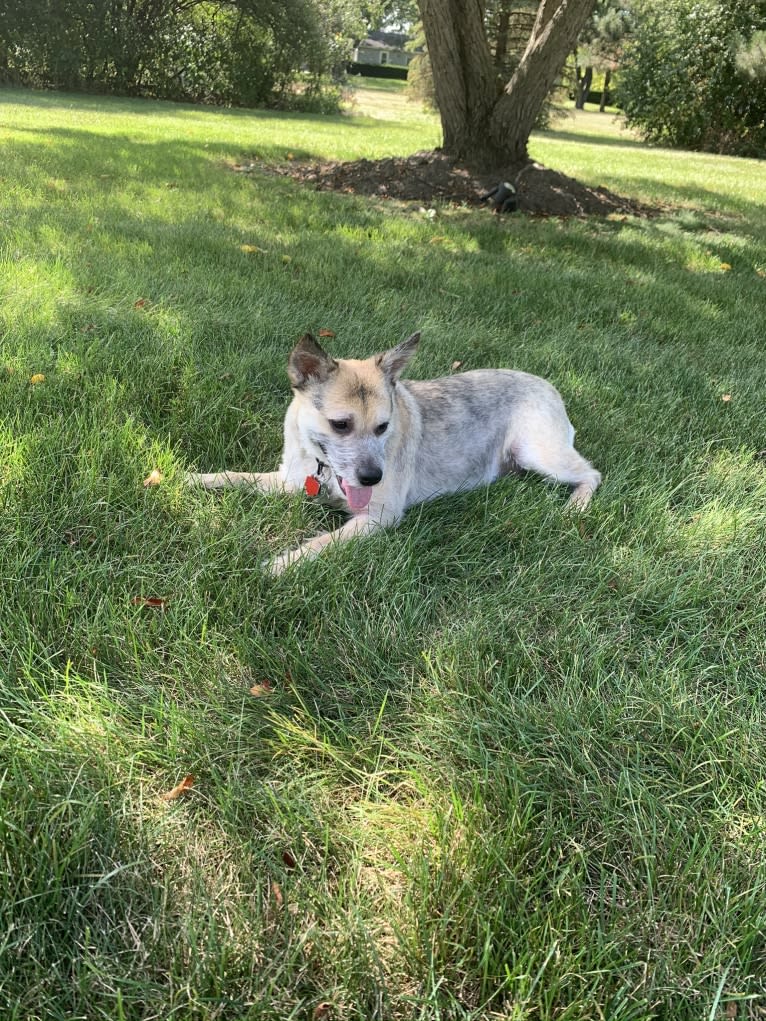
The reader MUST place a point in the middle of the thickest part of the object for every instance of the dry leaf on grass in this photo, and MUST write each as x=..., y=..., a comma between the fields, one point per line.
x=154, y=601
x=289, y=859
x=153, y=479
x=276, y=890
x=186, y=784
x=322, y=1012
x=264, y=688
x=39, y=377
x=456, y=366
x=326, y=333
x=141, y=303
x=726, y=398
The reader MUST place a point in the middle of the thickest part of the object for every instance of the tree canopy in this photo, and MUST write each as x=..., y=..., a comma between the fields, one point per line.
x=694, y=75
x=250, y=52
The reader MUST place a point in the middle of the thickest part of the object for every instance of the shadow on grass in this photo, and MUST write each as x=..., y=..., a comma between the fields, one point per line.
x=626, y=142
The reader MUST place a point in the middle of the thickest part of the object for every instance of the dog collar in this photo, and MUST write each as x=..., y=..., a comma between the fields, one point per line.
x=313, y=483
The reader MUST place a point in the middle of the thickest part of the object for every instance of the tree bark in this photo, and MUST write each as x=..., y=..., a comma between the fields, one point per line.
x=605, y=90
x=584, y=81
x=464, y=78
x=483, y=122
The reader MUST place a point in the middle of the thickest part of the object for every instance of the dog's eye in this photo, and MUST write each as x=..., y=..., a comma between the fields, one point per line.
x=341, y=425
x=380, y=429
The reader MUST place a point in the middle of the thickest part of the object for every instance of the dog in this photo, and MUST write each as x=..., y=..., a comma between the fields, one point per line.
x=373, y=445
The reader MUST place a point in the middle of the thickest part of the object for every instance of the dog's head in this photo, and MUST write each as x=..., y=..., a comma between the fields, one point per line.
x=348, y=410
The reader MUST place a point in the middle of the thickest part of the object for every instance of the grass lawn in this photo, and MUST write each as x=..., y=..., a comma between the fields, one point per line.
x=501, y=763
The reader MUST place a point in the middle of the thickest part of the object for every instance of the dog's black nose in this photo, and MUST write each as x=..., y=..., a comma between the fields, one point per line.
x=371, y=477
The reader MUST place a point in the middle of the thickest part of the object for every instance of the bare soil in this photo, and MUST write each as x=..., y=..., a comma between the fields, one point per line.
x=431, y=176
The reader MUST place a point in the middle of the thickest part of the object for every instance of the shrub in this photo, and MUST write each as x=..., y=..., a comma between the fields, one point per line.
x=681, y=83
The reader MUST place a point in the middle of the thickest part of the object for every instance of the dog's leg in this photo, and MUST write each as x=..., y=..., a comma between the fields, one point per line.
x=362, y=524
x=562, y=464
x=265, y=482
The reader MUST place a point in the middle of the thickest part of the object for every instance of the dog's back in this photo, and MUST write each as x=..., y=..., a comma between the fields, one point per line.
x=476, y=426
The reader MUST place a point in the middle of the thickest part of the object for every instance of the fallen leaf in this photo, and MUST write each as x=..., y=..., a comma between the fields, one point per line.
x=264, y=688
x=39, y=377
x=178, y=790
x=289, y=859
x=152, y=601
x=154, y=479
x=725, y=266
x=437, y=240
x=731, y=1009
x=456, y=366
x=726, y=398
x=326, y=333
x=276, y=889
x=140, y=303
x=322, y=1012
x=252, y=250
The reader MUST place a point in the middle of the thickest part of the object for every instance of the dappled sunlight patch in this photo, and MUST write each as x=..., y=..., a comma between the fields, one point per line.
x=16, y=455
x=729, y=512
x=746, y=831
x=35, y=288
x=79, y=718
x=717, y=527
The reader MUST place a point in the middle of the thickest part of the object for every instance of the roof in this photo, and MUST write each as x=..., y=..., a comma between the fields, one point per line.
x=385, y=41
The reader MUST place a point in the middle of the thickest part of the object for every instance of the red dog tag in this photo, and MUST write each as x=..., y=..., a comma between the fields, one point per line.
x=312, y=485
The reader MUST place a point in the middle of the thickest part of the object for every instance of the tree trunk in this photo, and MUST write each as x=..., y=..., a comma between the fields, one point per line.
x=605, y=90
x=483, y=123
x=584, y=81
x=464, y=78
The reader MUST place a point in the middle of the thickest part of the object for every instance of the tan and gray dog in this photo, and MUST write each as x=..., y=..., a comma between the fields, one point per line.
x=374, y=445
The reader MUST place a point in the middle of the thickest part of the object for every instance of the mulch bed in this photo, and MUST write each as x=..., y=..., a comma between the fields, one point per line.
x=428, y=177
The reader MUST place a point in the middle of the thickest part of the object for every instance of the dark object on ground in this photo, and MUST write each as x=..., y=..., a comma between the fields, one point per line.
x=432, y=176
x=503, y=196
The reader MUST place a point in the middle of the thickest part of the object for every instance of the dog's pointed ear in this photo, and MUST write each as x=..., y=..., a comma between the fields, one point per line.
x=309, y=361
x=393, y=362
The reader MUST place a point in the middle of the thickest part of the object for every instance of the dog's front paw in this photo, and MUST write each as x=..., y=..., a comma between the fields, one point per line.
x=278, y=564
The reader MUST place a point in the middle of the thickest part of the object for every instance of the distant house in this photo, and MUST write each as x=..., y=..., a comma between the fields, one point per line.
x=383, y=49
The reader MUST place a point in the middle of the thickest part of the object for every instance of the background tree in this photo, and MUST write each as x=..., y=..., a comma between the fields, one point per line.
x=251, y=52
x=689, y=76
x=487, y=119
x=600, y=48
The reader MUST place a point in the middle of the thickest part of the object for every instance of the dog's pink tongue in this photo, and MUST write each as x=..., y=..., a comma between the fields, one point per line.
x=358, y=496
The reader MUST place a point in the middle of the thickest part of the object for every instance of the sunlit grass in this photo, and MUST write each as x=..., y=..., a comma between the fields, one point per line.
x=500, y=763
